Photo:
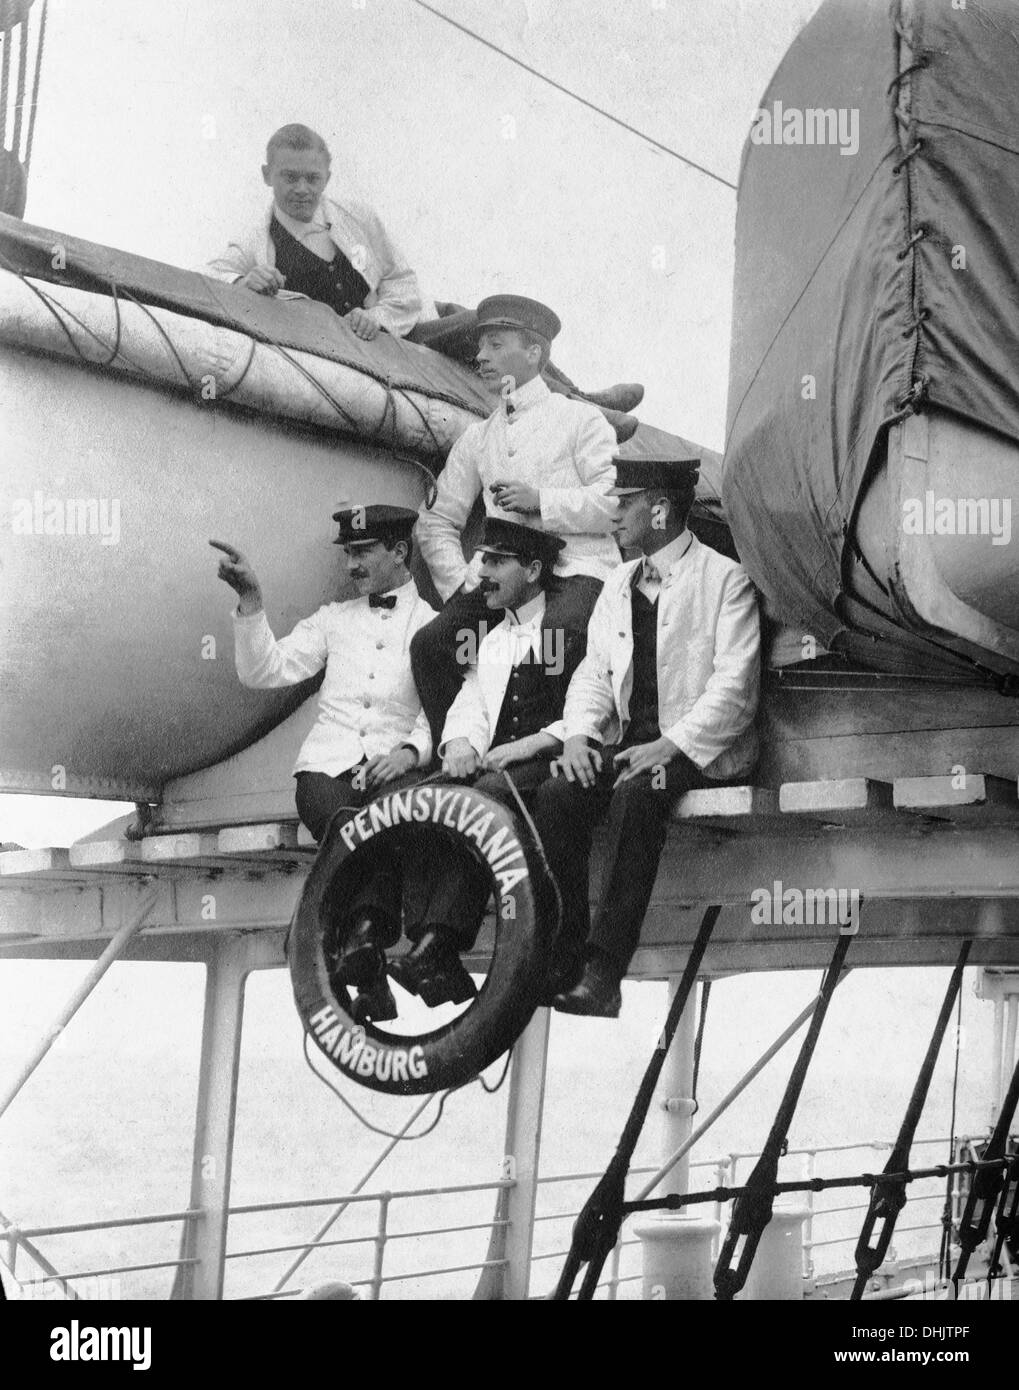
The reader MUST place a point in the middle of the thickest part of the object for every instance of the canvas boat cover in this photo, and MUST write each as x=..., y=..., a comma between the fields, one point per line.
x=875, y=274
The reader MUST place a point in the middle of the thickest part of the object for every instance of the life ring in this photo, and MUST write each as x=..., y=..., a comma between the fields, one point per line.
x=527, y=919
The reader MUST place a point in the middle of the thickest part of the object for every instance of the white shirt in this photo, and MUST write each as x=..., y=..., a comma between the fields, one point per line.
x=474, y=714
x=654, y=567
x=708, y=660
x=314, y=234
x=394, y=301
x=368, y=703
x=561, y=447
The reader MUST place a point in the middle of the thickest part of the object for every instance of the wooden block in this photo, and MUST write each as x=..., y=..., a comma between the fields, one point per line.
x=727, y=808
x=175, y=849
x=978, y=797
x=107, y=854
x=260, y=847
x=839, y=801
x=257, y=839
x=30, y=863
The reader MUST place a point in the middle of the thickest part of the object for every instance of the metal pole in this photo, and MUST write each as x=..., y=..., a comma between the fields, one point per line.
x=113, y=951
x=677, y=1104
x=509, y=1250
x=725, y=1102
x=997, y=1059
x=380, y=1244
x=1011, y=1018
x=204, y=1240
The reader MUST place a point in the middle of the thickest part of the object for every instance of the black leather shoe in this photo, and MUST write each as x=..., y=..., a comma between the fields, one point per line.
x=563, y=978
x=434, y=970
x=625, y=397
x=360, y=961
x=598, y=994
x=375, y=1005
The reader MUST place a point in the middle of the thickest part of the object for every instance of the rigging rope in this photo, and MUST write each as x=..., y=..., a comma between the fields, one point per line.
x=698, y=1044
x=566, y=91
x=984, y=1190
x=444, y=1096
x=944, y=1254
x=676, y=1200
x=597, y=1227
x=754, y=1207
x=887, y=1201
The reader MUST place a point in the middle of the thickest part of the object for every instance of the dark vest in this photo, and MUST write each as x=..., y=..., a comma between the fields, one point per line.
x=643, y=726
x=532, y=700
x=334, y=282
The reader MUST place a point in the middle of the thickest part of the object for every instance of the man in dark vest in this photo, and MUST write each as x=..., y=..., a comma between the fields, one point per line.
x=340, y=254
x=505, y=721
x=663, y=701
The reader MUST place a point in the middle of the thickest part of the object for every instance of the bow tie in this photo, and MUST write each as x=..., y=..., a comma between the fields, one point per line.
x=651, y=575
x=381, y=600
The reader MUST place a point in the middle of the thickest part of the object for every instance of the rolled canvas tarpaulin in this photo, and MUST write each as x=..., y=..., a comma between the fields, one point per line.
x=877, y=249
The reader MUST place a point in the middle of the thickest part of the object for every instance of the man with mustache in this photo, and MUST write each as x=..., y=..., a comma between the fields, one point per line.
x=371, y=733
x=539, y=459
x=663, y=701
x=505, y=722
x=339, y=253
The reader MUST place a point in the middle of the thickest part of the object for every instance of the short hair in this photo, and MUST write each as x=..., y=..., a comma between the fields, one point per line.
x=296, y=137
x=390, y=539
x=536, y=340
x=680, y=499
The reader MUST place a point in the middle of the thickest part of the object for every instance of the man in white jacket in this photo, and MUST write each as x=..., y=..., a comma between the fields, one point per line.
x=539, y=459
x=307, y=244
x=663, y=701
x=370, y=734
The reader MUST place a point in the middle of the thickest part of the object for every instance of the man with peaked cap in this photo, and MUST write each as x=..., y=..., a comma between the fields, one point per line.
x=337, y=251
x=539, y=459
x=504, y=722
x=371, y=733
x=663, y=701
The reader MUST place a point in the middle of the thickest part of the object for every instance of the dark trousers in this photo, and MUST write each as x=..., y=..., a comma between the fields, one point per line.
x=379, y=879
x=566, y=813
x=458, y=888
x=455, y=334
x=441, y=651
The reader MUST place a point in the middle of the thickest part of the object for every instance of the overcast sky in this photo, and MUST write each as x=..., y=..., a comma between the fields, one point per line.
x=153, y=117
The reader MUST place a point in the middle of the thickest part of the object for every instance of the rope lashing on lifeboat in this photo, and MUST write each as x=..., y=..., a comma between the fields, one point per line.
x=754, y=1206
x=597, y=1227
x=887, y=1200
x=987, y=1184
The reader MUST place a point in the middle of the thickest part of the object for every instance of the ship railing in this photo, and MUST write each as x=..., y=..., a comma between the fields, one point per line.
x=721, y=1171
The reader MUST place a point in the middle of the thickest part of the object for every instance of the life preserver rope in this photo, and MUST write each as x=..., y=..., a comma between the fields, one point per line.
x=526, y=920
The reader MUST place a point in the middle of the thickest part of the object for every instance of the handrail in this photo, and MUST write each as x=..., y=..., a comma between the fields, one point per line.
x=18, y=1237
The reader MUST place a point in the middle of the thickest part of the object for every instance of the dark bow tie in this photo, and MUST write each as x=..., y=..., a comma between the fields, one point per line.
x=381, y=600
